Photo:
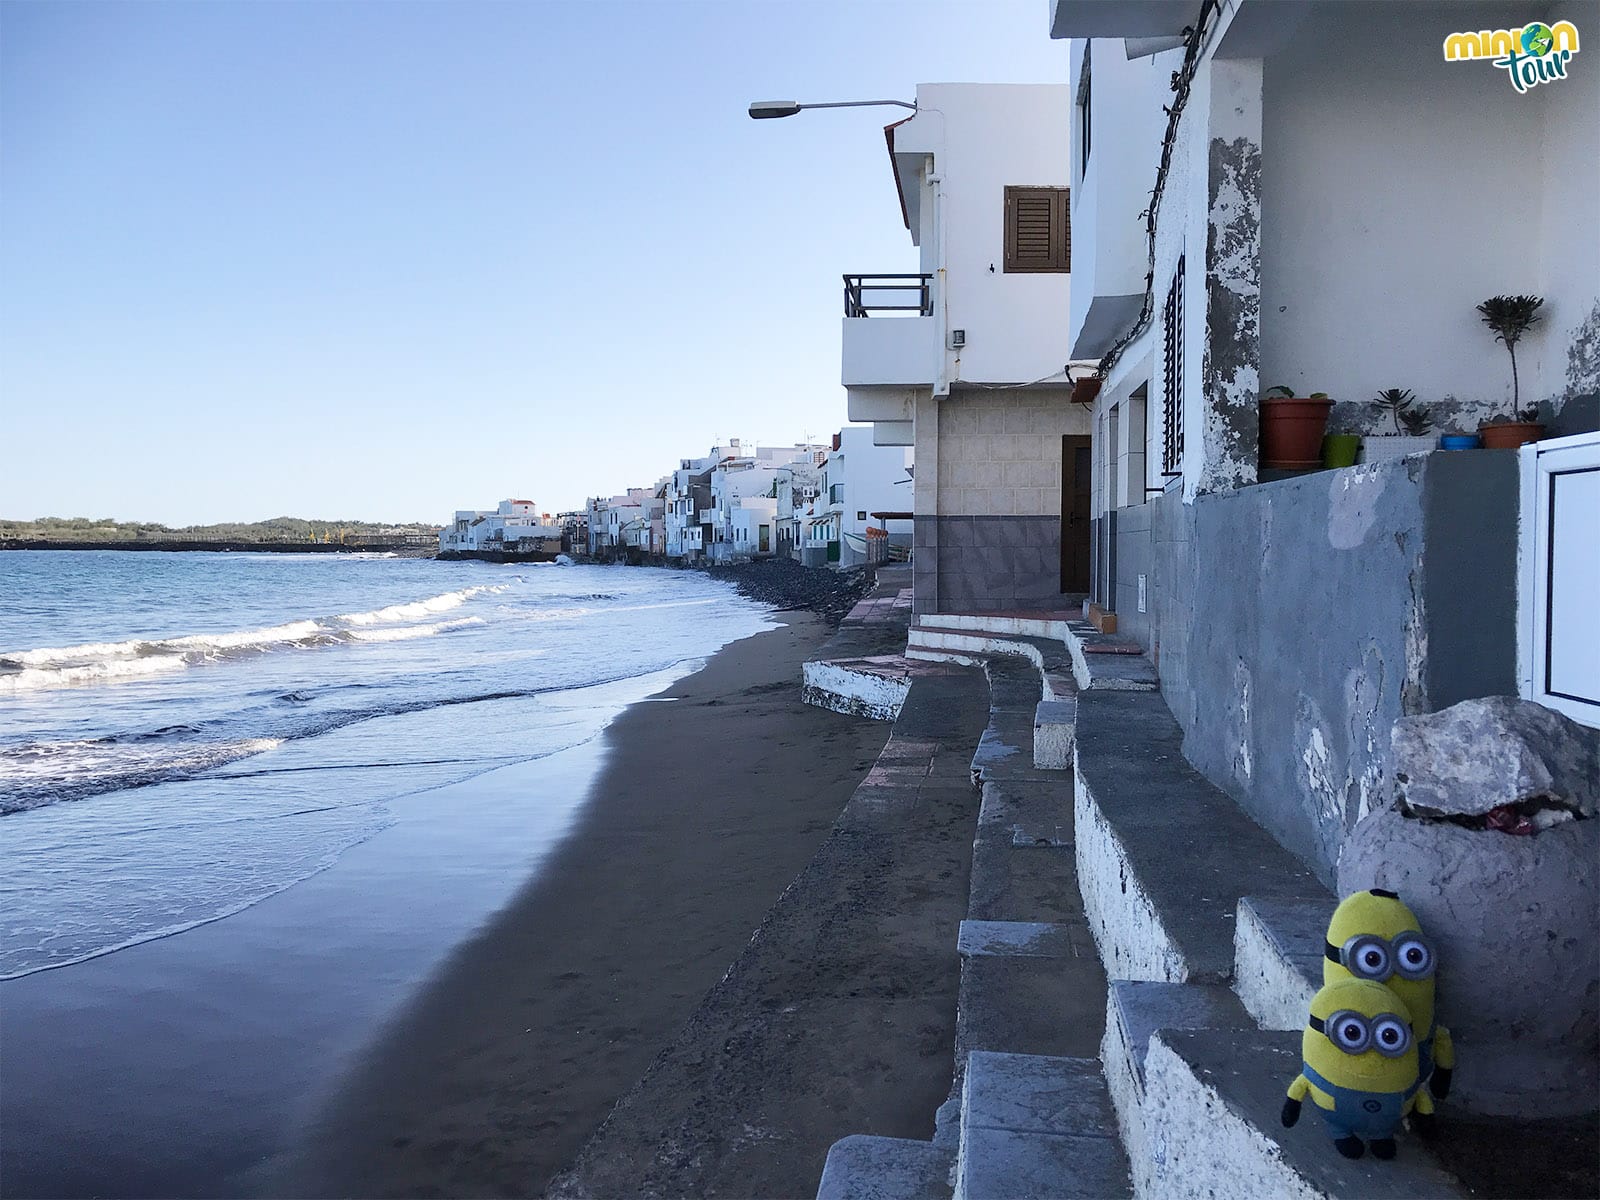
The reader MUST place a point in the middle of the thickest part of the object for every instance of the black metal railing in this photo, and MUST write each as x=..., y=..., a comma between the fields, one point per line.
x=868, y=294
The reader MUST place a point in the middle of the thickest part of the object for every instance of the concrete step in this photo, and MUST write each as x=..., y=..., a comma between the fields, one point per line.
x=874, y=687
x=1163, y=856
x=1028, y=988
x=1037, y=1126
x=1025, y=624
x=860, y=1167
x=1277, y=956
x=1022, y=855
x=1134, y=1011
x=1212, y=1105
x=1055, y=725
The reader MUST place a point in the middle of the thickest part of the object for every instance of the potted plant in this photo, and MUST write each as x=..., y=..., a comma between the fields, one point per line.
x=1411, y=425
x=1292, y=428
x=1510, y=317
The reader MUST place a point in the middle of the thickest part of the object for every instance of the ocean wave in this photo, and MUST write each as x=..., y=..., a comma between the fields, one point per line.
x=42, y=772
x=107, y=662
x=406, y=632
x=420, y=608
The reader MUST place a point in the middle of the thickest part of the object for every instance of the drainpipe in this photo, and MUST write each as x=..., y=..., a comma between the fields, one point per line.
x=941, y=377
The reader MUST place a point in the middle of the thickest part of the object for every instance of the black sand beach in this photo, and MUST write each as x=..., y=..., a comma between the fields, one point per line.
x=713, y=798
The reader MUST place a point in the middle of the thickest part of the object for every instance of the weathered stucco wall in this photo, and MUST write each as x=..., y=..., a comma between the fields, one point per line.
x=1292, y=622
x=1372, y=146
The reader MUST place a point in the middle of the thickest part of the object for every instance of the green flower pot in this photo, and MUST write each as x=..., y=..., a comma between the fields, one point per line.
x=1340, y=449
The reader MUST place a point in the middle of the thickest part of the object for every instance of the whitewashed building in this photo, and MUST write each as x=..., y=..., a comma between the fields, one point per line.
x=864, y=487
x=966, y=359
x=1314, y=203
x=514, y=525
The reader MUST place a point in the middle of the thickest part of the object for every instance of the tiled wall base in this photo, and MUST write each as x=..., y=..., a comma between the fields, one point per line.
x=987, y=564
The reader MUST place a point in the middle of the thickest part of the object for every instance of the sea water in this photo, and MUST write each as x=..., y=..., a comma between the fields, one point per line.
x=183, y=735
x=249, y=804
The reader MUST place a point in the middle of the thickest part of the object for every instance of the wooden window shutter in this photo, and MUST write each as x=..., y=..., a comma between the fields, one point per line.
x=1038, y=229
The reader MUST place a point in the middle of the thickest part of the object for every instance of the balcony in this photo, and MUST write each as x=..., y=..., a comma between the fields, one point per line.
x=865, y=295
x=888, y=337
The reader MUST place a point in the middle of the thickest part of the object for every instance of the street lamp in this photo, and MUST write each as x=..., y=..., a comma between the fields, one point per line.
x=767, y=110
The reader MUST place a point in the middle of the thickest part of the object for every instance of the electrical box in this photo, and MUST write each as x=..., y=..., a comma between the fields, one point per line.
x=958, y=339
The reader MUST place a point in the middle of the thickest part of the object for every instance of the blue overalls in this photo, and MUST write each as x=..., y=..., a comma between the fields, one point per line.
x=1368, y=1115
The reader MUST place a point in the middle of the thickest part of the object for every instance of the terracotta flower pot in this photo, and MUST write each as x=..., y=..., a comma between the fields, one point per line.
x=1291, y=432
x=1509, y=435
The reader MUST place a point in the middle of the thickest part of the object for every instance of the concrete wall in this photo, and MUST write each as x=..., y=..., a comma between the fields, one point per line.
x=1293, y=622
x=988, y=499
x=981, y=139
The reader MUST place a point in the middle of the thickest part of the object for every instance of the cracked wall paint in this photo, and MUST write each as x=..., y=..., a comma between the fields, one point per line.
x=1353, y=498
x=1243, y=766
x=1583, y=356
x=1230, y=372
x=1368, y=742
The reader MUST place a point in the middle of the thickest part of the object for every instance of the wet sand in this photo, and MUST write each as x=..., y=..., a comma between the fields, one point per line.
x=713, y=798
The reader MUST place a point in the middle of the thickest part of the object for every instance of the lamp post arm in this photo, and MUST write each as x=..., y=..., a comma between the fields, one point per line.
x=862, y=104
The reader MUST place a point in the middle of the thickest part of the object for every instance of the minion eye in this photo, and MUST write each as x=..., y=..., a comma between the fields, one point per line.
x=1391, y=1036
x=1350, y=1032
x=1413, y=958
x=1369, y=958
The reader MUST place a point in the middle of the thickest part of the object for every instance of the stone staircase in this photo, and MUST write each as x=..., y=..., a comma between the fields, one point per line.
x=1165, y=1079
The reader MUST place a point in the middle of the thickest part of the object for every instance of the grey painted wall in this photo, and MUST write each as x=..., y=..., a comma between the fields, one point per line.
x=988, y=563
x=1292, y=622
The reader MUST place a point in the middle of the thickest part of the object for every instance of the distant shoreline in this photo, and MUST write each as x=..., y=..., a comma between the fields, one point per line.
x=405, y=549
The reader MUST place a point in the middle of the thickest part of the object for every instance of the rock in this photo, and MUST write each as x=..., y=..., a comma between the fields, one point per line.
x=1481, y=755
x=1514, y=920
x=785, y=584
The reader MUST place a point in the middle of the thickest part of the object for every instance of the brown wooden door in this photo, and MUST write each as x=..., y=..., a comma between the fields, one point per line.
x=1075, y=480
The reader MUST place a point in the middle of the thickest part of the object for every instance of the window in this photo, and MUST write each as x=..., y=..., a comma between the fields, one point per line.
x=861, y=514
x=1172, y=364
x=1038, y=230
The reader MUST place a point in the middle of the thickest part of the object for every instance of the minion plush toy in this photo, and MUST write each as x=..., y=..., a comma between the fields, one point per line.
x=1374, y=936
x=1359, y=1066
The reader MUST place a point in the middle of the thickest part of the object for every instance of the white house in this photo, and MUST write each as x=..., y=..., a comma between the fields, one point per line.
x=797, y=485
x=967, y=359
x=512, y=525
x=864, y=486
x=1314, y=204
x=748, y=480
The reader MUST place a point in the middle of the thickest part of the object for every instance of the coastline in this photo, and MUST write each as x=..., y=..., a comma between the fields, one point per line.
x=714, y=795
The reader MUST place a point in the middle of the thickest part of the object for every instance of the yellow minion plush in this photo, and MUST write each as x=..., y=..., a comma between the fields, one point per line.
x=1359, y=1067
x=1374, y=936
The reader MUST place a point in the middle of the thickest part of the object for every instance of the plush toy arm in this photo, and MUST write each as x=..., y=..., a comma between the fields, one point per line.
x=1424, y=1103
x=1444, y=1062
x=1291, y=1105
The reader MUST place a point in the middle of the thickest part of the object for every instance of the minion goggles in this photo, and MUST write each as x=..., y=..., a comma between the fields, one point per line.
x=1354, y=1033
x=1368, y=956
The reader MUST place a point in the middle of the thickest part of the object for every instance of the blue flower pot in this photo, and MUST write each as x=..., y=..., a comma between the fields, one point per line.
x=1459, y=441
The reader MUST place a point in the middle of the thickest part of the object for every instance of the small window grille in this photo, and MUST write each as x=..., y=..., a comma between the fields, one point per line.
x=1172, y=363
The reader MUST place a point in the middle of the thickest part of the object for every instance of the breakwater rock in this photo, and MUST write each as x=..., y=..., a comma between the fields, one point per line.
x=785, y=584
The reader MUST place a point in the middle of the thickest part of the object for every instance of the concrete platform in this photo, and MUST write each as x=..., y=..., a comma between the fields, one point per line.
x=1163, y=856
x=1212, y=1104
x=1277, y=956
x=1054, y=733
x=1037, y=1126
x=860, y=1167
x=1134, y=1011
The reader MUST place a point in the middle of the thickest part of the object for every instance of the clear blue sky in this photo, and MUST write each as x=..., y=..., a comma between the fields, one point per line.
x=386, y=260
